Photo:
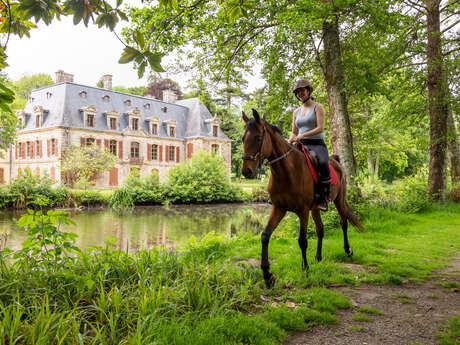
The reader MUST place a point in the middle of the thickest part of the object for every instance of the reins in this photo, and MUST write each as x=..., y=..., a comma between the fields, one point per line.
x=259, y=153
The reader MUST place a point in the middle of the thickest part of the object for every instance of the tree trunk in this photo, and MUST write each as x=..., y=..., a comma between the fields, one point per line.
x=341, y=138
x=377, y=159
x=370, y=163
x=437, y=102
x=454, y=150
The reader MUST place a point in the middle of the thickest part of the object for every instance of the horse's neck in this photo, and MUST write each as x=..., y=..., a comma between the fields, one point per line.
x=283, y=167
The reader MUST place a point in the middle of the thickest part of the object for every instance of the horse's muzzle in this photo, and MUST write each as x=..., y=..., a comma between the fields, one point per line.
x=248, y=173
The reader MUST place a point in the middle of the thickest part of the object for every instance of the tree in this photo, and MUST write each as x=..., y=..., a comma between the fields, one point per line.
x=134, y=90
x=23, y=86
x=82, y=164
x=156, y=88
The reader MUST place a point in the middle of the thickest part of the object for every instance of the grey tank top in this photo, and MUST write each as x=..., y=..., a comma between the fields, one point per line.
x=308, y=122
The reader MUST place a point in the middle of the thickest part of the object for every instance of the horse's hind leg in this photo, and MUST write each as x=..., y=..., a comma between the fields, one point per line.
x=315, y=213
x=275, y=217
x=303, y=242
x=342, y=209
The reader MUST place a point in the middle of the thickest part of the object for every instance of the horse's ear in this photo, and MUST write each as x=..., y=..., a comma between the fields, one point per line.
x=256, y=115
x=245, y=118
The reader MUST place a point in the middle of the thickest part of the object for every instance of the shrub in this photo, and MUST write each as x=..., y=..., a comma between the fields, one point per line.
x=203, y=179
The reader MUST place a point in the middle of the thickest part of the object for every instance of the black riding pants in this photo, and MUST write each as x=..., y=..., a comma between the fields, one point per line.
x=320, y=148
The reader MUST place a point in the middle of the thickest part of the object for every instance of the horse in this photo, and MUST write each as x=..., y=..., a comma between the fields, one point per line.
x=291, y=187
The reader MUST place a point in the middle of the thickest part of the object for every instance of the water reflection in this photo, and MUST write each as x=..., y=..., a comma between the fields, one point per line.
x=151, y=226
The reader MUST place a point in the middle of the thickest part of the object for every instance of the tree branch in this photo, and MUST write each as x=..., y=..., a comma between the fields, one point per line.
x=318, y=57
x=416, y=6
x=443, y=8
x=451, y=51
x=450, y=26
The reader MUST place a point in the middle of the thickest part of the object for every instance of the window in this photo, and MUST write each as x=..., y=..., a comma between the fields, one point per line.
x=128, y=102
x=215, y=148
x=147, y=105
x=154, y=152
x=113, y=147
x=172, y=150
x=154, y=129
x=83, y=94
x=113, y=123
x=135, y=124
x=29, y=149
x=54, y=146
x=37, y=121
x=172, y=131
x=134, y=150
x=106, y=98
x=89, y=141
x=38, y=148
x=90, y=120
x=215, y=130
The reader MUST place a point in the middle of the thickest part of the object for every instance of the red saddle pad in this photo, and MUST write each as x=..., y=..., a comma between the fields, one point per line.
x=314, y=174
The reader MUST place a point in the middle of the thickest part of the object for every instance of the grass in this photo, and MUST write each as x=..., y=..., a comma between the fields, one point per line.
x=357, y=329
x=450, y=334
x=370, y=310
x=201, y=295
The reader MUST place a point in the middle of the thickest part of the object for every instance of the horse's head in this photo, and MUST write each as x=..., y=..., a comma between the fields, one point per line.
x=255, y=144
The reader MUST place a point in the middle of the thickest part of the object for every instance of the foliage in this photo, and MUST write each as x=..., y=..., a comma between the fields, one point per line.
x=451, y=334
x=24, y=85
x=202, y=179
x=46, y=244
x=134, y=90
x=82, y=163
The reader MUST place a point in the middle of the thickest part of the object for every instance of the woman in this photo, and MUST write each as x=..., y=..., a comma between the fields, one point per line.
x=308, y=129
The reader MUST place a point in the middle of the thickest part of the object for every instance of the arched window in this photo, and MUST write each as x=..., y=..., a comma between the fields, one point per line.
x=134, y=150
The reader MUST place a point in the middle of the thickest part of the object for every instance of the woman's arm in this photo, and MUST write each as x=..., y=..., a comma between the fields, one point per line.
x=295, y=130
x=320, y=117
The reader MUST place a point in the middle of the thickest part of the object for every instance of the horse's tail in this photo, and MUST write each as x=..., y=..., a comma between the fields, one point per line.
x=353, y=219
x=336, y=158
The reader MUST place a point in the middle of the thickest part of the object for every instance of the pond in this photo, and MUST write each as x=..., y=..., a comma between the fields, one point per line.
x=145, y=227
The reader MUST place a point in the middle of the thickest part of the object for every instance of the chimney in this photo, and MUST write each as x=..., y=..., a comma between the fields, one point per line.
x=169, y=96
x=62, y=77
x=107, y=81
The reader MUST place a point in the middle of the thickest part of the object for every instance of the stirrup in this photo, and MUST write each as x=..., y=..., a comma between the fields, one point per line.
x=322, y=207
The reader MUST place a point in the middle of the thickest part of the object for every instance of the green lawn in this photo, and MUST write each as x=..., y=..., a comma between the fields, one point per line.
x=212, y=291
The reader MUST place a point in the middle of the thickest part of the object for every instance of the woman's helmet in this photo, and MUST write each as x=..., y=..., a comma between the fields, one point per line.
x=300, y=84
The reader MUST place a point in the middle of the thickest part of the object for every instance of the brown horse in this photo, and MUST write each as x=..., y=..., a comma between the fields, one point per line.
x=291, y=187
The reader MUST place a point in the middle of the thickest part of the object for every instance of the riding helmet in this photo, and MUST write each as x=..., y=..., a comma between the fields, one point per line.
x=302, y=83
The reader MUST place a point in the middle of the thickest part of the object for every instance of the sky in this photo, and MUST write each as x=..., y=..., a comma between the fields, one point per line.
x=86, y=52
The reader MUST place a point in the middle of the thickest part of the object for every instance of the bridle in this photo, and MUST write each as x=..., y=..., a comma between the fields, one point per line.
x=259, y=153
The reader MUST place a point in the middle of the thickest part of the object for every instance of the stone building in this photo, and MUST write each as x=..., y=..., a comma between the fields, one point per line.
x=144, y=133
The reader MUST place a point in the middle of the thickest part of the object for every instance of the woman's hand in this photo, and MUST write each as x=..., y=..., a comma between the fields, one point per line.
x=293, y=138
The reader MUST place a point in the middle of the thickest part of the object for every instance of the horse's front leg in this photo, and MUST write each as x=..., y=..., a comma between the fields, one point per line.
x=315, y=213
x=303, y=242
x=275, y=217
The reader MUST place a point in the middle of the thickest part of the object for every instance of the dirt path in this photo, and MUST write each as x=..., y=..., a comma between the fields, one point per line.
x=411, y=313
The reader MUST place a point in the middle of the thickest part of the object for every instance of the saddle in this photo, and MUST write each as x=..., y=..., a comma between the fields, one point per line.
x=313, y=165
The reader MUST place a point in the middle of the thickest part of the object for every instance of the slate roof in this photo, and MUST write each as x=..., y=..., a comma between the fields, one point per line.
x=63, y=103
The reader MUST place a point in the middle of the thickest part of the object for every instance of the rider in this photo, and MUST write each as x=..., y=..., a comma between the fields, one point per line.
x=308, y=128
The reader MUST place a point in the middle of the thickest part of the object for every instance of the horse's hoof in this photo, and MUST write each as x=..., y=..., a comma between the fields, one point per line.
x=270, y=281
x=349, y=252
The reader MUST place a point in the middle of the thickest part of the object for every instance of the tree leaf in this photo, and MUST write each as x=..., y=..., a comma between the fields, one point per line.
x=128, y=55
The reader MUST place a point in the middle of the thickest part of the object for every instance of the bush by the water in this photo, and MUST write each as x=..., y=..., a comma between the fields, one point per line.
x=202, y=179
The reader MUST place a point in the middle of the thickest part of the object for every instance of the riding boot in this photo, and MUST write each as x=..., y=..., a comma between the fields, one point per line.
x=324, y=190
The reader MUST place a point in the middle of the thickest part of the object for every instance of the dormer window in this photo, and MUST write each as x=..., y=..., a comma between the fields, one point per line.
x=165, y=109
x=215, y=125
x=147, y=105
x=112, y=119
x=90, y=120
x=134, y=118
x=83, y=94
x=21, y=118
x=38, y=113
x=106, y=98
x=128, y=102
x=171, y=128
x=89, y=116
x=48, y=95
x=154, y=125
x=135, y=124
